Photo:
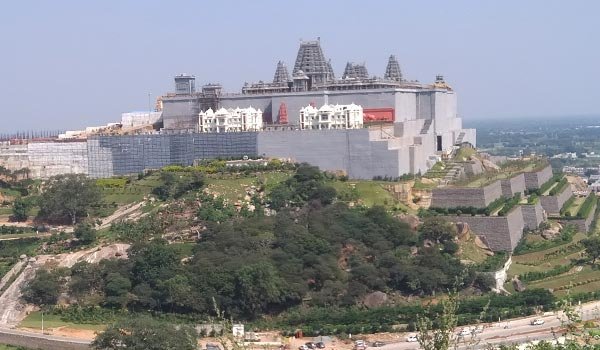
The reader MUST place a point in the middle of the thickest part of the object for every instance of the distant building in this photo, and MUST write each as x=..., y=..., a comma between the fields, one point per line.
x=134, y=119
x=331, y=117
x=230, y=120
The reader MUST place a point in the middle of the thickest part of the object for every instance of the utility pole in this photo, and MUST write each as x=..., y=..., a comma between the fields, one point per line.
x=42, y=321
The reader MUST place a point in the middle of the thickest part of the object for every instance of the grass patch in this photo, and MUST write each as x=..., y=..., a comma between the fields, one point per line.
x=470, y=251
x=34, y=321
x=368, y=193
x=6, y=211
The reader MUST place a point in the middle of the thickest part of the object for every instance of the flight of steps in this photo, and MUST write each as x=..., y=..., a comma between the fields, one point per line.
x=460, y=137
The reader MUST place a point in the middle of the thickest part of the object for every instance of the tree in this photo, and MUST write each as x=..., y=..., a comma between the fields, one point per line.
x=68, y=198
x=437, y=230
x=85, y=233
x=20, y=209
x=146, y=334
x=117, y=287
x=443, y=336
x=44, y=289
x=592, y=248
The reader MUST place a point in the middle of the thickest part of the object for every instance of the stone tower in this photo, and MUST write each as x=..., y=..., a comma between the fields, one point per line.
x=281, y=74
x=392, y=71
x=312, y=62
x=355, y=71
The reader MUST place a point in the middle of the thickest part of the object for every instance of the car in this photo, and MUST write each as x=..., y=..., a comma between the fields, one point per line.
x=360, y=344
x=320, y=345
x=464, y=332
x=310, y=345
x=303, y=347
x=537, y=322
x=478, y=329
x=412, y=338
x=377, y=344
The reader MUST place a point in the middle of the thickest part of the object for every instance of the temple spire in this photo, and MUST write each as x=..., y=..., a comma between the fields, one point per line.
x=281, y=74
x=392, y=71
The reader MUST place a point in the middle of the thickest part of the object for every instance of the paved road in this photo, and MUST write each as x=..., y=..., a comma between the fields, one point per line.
x=517, y=330
x=31, y=335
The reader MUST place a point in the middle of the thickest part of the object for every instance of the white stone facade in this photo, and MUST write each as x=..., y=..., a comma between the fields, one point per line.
x=230, y=120
x=134, y=119
x=331, y=117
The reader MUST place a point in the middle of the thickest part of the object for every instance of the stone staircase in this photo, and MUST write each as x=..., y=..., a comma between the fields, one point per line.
x=460, y=138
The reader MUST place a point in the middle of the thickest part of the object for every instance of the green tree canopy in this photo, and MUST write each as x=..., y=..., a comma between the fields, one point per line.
x=592, y=248
x=67, y=198
x=146, y=334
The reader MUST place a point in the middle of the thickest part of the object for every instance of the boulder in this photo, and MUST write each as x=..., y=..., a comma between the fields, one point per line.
x=375, y=299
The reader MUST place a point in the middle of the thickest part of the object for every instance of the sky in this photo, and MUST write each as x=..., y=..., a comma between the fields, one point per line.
x=70, y=64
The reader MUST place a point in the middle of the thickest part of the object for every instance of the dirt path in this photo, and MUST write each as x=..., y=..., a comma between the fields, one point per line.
x=119, y=214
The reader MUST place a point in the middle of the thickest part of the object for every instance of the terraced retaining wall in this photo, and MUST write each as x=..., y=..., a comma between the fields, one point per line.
x=536, y=179
x=583, y=225
x=512, y=186
x=500, y=233
x=553, y=204
x=533, y=215
x=451, y=197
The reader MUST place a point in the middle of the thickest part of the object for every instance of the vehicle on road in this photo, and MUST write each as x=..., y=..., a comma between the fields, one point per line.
x=412, y=338
x=303, y=347
x=311, y=345
x=537, y=322
x=377, y=344
x=320, y=345
x=478, y=329
x=360, y=345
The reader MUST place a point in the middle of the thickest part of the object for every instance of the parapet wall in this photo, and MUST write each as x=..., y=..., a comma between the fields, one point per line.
x=512, y=186
x=536, y=179
x=500, y=233
x=451, y=197
x=553, y=204
x=533, y=215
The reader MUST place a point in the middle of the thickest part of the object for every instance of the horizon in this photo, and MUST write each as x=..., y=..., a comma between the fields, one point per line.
x=108, y=57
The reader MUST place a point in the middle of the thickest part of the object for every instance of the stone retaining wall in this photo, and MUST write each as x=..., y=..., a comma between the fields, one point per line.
x=583, y=225
x=553, y=204
x=533, y=215
x=536, y=179
x=500, y=233
x=451, y=197
x=512, y=186
x=38, y=342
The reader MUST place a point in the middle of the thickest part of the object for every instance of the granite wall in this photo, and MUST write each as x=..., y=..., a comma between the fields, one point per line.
x=533, y=215
x=500, y=233
x=553, y=204
x=451, y=197
x=512, y=186
x=583, y=225
x=536, y=179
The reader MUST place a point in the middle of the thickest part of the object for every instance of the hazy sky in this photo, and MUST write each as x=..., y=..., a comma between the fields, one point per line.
x=67, y=64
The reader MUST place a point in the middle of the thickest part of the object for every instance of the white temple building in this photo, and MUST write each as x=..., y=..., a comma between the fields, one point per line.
x=332, y=117
x=230, y=120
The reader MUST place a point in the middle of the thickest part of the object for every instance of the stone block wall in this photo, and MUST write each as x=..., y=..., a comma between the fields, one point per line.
x=512, y=186
x=533, y=215
x=500, y=233
x=536, y=179
x=553, y=204
x=583, y=225
x=33, y=341
x=451, y=197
